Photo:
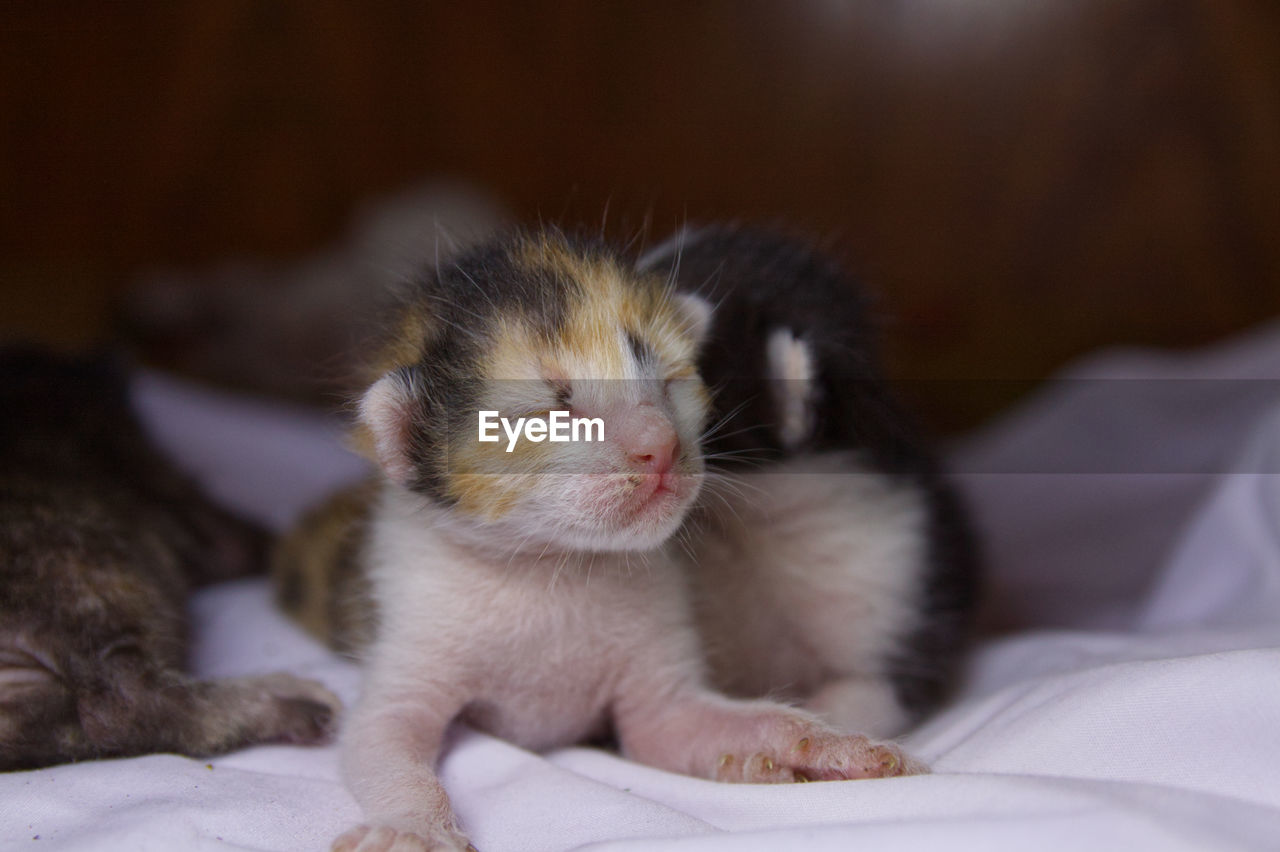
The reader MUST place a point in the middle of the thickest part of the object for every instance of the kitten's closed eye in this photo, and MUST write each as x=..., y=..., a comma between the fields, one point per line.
x=563, y=391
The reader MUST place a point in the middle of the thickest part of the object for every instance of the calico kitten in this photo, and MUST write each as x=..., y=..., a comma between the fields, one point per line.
x=100, y=541
x=822, y=502
x=833, y=563
x=532, y=588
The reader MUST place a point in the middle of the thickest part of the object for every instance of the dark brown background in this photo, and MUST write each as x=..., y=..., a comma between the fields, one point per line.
x=1021, y=181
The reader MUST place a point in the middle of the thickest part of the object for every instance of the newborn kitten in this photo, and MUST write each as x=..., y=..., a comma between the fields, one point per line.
x=532, y=588
x=100, y=541
x=832, y=564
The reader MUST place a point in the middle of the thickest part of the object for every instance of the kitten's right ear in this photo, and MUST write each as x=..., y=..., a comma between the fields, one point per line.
x=697, y=314
x=386, y=410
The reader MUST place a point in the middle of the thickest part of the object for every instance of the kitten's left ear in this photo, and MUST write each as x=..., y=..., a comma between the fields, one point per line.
x=696, y=313
x=386, y=410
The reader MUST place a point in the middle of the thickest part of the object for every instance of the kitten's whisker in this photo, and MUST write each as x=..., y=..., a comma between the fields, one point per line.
x=735, y=486
x=726, y=503
x=741, y=431
x=743, y=456
x=710, y=431
x=476, y=285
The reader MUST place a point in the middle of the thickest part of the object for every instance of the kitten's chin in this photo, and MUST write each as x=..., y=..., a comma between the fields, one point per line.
x=616, y=514
x=617, y=541
x=650, y=516
x=630, y=522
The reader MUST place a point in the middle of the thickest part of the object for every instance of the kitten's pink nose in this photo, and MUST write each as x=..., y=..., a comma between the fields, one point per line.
x=649, y=440
x=657, y=458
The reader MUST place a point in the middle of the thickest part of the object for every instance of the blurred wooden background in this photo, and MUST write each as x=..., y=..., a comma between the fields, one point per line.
x=1020, y=181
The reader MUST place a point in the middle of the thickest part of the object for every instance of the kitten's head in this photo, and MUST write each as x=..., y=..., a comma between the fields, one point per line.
x=521, y=328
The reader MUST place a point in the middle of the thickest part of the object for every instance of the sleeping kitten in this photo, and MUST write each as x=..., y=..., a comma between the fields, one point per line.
x=532, y=588
x=832, y=563
x=822, y=502
x=100, y=541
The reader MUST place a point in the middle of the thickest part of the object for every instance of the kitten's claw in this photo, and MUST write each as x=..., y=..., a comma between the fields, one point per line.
x=820, y=757
x=383, y=838
x=758, y=768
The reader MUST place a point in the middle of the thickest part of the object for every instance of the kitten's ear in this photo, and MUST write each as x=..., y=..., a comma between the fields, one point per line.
x=696, y=312
x=386, y=411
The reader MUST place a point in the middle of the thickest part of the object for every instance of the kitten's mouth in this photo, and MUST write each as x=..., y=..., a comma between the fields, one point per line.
x=654, y=485
x=638, y=511
x=655, y=493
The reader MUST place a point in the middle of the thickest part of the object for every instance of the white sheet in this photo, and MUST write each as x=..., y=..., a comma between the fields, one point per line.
x=1136, y=705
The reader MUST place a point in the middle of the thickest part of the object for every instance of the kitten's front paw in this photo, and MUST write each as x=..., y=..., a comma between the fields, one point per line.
x=820, y=756
x=308, y=712
x=382, y=838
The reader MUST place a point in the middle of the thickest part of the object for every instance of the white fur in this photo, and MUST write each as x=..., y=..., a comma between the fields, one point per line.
x=791, y=383
x=546, y=650
x=697, y=311
x=384, y=408
x=567, y=613
x=809, y=573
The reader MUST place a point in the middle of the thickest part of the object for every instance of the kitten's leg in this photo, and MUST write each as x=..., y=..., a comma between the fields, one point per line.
x=121, y=706
x=864, y=704
x=390, y=745
x=708, y=735
x=175, y=713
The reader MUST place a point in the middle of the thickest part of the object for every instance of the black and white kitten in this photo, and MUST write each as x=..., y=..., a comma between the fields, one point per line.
x=832, y=562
